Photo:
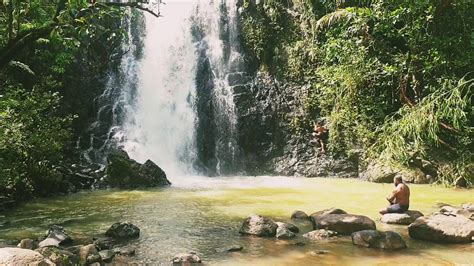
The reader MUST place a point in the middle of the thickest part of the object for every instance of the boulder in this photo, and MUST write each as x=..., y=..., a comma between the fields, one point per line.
x=258, y=226
x=59, y=256
x=378, y=173
x=293, y=228
x=55, y=236
x=19, y=256
x=443, y=228
x=344, y=224
x=320, y=234
x=85, y=252
x=27, y=244
x=329, y=211
x=123, y=230
x=49, y=242
x=124, y=172
x=405, y=218
x=106, y=255
x=299, y=215
x=186, y=258
x=105, y=243
x=382, y=173
x=284, y=232
x=377, y=239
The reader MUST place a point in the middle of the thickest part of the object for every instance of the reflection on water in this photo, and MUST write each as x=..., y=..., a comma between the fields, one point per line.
x=204, y=214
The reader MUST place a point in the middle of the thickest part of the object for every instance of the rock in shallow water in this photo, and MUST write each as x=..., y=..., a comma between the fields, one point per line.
x=123, y=230
x=186, y=258
x=443, y=228
x=85, y=252
x=299, y=215
x=259, y=226
x=405, y=218
x=124, y=172
x=284, y=232
x=320, y=234
x=344, y=224
x=55, y=236
x=377, y=239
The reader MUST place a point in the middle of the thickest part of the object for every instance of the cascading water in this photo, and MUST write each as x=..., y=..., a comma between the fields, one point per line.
x=177, y=102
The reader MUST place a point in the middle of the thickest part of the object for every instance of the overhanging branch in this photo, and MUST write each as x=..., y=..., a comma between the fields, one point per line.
x=133, y=5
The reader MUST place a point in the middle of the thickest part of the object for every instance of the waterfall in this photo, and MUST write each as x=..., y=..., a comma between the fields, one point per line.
x=175, y=105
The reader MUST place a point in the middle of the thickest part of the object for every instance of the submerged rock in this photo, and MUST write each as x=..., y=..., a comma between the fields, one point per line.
x=378, y=239
x=443, y=228
x=124, y=172
x=19, y=256
x=230, y=249
x=344, y=224
x=299, y=215
x=258, y=226
x=123, y=230
x=186, y=258
x=105, y=243
x=405, y=218
x=320, y=234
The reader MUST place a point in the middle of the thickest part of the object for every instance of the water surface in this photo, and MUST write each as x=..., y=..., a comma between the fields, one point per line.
x=204, y=214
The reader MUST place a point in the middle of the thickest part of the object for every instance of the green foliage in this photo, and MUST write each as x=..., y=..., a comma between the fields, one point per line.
x=32, y=138
x=53, y=57
x=388, y=75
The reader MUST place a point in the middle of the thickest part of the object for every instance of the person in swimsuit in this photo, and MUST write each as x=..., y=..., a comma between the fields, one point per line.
x=399, y=199
x=321, y=134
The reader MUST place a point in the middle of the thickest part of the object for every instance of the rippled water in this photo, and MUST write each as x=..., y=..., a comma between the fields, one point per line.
x=204, y=214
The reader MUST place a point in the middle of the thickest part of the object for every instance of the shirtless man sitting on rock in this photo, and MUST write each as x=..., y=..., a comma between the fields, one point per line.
x=399, y=199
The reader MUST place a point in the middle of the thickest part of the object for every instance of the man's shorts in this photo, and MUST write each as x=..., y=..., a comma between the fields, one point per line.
x=397, y=208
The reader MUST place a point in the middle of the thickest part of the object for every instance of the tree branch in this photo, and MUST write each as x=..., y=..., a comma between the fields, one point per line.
x=132, y=4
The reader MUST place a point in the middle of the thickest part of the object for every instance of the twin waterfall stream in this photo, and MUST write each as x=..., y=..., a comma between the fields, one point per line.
x=158, y=106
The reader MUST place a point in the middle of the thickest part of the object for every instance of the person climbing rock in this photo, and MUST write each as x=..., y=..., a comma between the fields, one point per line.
x=399, y=199
x=321, y=135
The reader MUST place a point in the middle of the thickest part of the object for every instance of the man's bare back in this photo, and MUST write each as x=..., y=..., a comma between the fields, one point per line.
x=401, y=195
x=399, y=199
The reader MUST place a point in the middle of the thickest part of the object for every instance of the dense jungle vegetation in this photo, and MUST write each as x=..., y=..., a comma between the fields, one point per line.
x=394, y=78
x=54, y=58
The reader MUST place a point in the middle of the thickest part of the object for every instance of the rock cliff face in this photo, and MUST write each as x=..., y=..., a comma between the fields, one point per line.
x=244, y=117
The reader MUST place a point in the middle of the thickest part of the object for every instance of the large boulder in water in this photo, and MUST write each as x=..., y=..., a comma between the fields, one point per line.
x=258, y=226
x=19, y=256
x=443, y=228
x=382, y=173
x=344, y=224
x=378, y=239
x=124, y=172
x=405, y=218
